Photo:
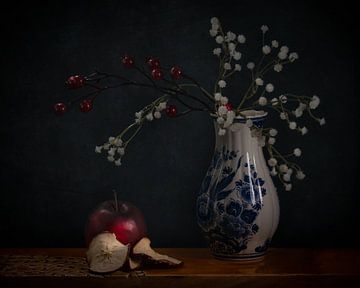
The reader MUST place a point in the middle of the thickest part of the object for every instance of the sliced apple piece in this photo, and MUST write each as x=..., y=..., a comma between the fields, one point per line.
x=106, y=253
x=143, y=250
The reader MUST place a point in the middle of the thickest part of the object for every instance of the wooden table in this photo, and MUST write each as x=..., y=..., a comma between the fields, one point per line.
x=280, y=268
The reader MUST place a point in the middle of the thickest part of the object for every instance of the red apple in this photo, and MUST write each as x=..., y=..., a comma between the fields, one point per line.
x=125, y=220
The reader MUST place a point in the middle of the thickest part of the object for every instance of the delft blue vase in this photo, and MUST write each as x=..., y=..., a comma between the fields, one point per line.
x=237, y=206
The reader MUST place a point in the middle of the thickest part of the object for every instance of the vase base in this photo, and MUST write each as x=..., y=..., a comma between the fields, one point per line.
x=255, y=257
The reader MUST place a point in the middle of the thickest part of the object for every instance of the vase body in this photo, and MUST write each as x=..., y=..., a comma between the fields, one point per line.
x=237, y=206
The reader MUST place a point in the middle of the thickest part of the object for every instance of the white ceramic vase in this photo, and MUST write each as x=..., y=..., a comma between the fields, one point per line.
x=237, y=206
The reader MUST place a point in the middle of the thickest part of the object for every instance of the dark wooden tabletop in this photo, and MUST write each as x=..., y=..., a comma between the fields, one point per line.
x=281, y=268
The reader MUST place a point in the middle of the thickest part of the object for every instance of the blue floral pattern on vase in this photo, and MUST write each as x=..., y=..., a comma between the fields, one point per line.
x=227, y=209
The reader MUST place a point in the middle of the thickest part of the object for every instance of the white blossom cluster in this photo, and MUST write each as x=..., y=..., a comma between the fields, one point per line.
x=150, y=114
x=114, y=148
x=305, y=104
x=228, y=52
x=224, y=116
x=283, y=168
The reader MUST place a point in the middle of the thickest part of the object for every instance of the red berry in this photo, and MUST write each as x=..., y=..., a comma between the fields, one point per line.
x=128, y=61
x=229, y=106
x=171, y=111
x=176, y=72
x=60, y=108
x=86, y=105
x=75, y=82
x=157, y=74
x=153, y=63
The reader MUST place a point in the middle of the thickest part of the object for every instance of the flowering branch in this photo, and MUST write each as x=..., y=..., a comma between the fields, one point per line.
x=180, y=88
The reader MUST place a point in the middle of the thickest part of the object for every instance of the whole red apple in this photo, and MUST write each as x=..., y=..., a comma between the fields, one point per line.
x=122, y=218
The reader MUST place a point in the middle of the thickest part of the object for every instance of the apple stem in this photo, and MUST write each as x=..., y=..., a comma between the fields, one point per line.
x=116, y=201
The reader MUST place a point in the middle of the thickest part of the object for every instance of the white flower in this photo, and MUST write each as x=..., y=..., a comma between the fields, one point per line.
x=157, y=115
x=217, y=96
x=138, y=114
x=250, y=65
x=300, y=175
x=298, y=112
x=241, y=39
x=273, y=132
x=214, y=20
x=284, y=49
x=118, y=162
x=302, y=106
x=288, y=187
x=137, y=120
x=222, y=110
x=213, y=32
x=229, y=118
x=110, y=158
x=222, y=132
x=224, y=100
x=121, y=151
x=219, y=39
x=111, y=140
x=269, y=87
x=274, y=101
x=264, y=28
x=249, y=123
x=106, y=146
x=290, y=171
x=230, y=36
x=227, y=66
x=262, y=101
x=292, y=125
x=112, y=151
x=118, y=142
x=283, y=99
x=215, y=26
x=162, y=106
x=293, y=56
x=259, y=82
x=222, y=84
x=273, y=172
x=150, y=117
x=314, y=103
x=220, y=120
x=297, y=152
x=322, y=121
x=231, y=47
x=272, y=162
x=287, y=177
x=282, y=55
x=303, y=130
x=274, y=43
x=283, y=168
x=237, y=56
x=266, y=49
x=237, y=67
x=217, y=51
x=278, y=67
x=98, y=149
x=271, y=140
x=283, y=116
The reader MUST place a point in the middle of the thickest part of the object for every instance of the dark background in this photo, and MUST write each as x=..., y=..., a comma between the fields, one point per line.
x=50, y=176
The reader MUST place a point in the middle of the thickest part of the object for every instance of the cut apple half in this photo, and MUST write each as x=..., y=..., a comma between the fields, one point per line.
x=106, y=253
